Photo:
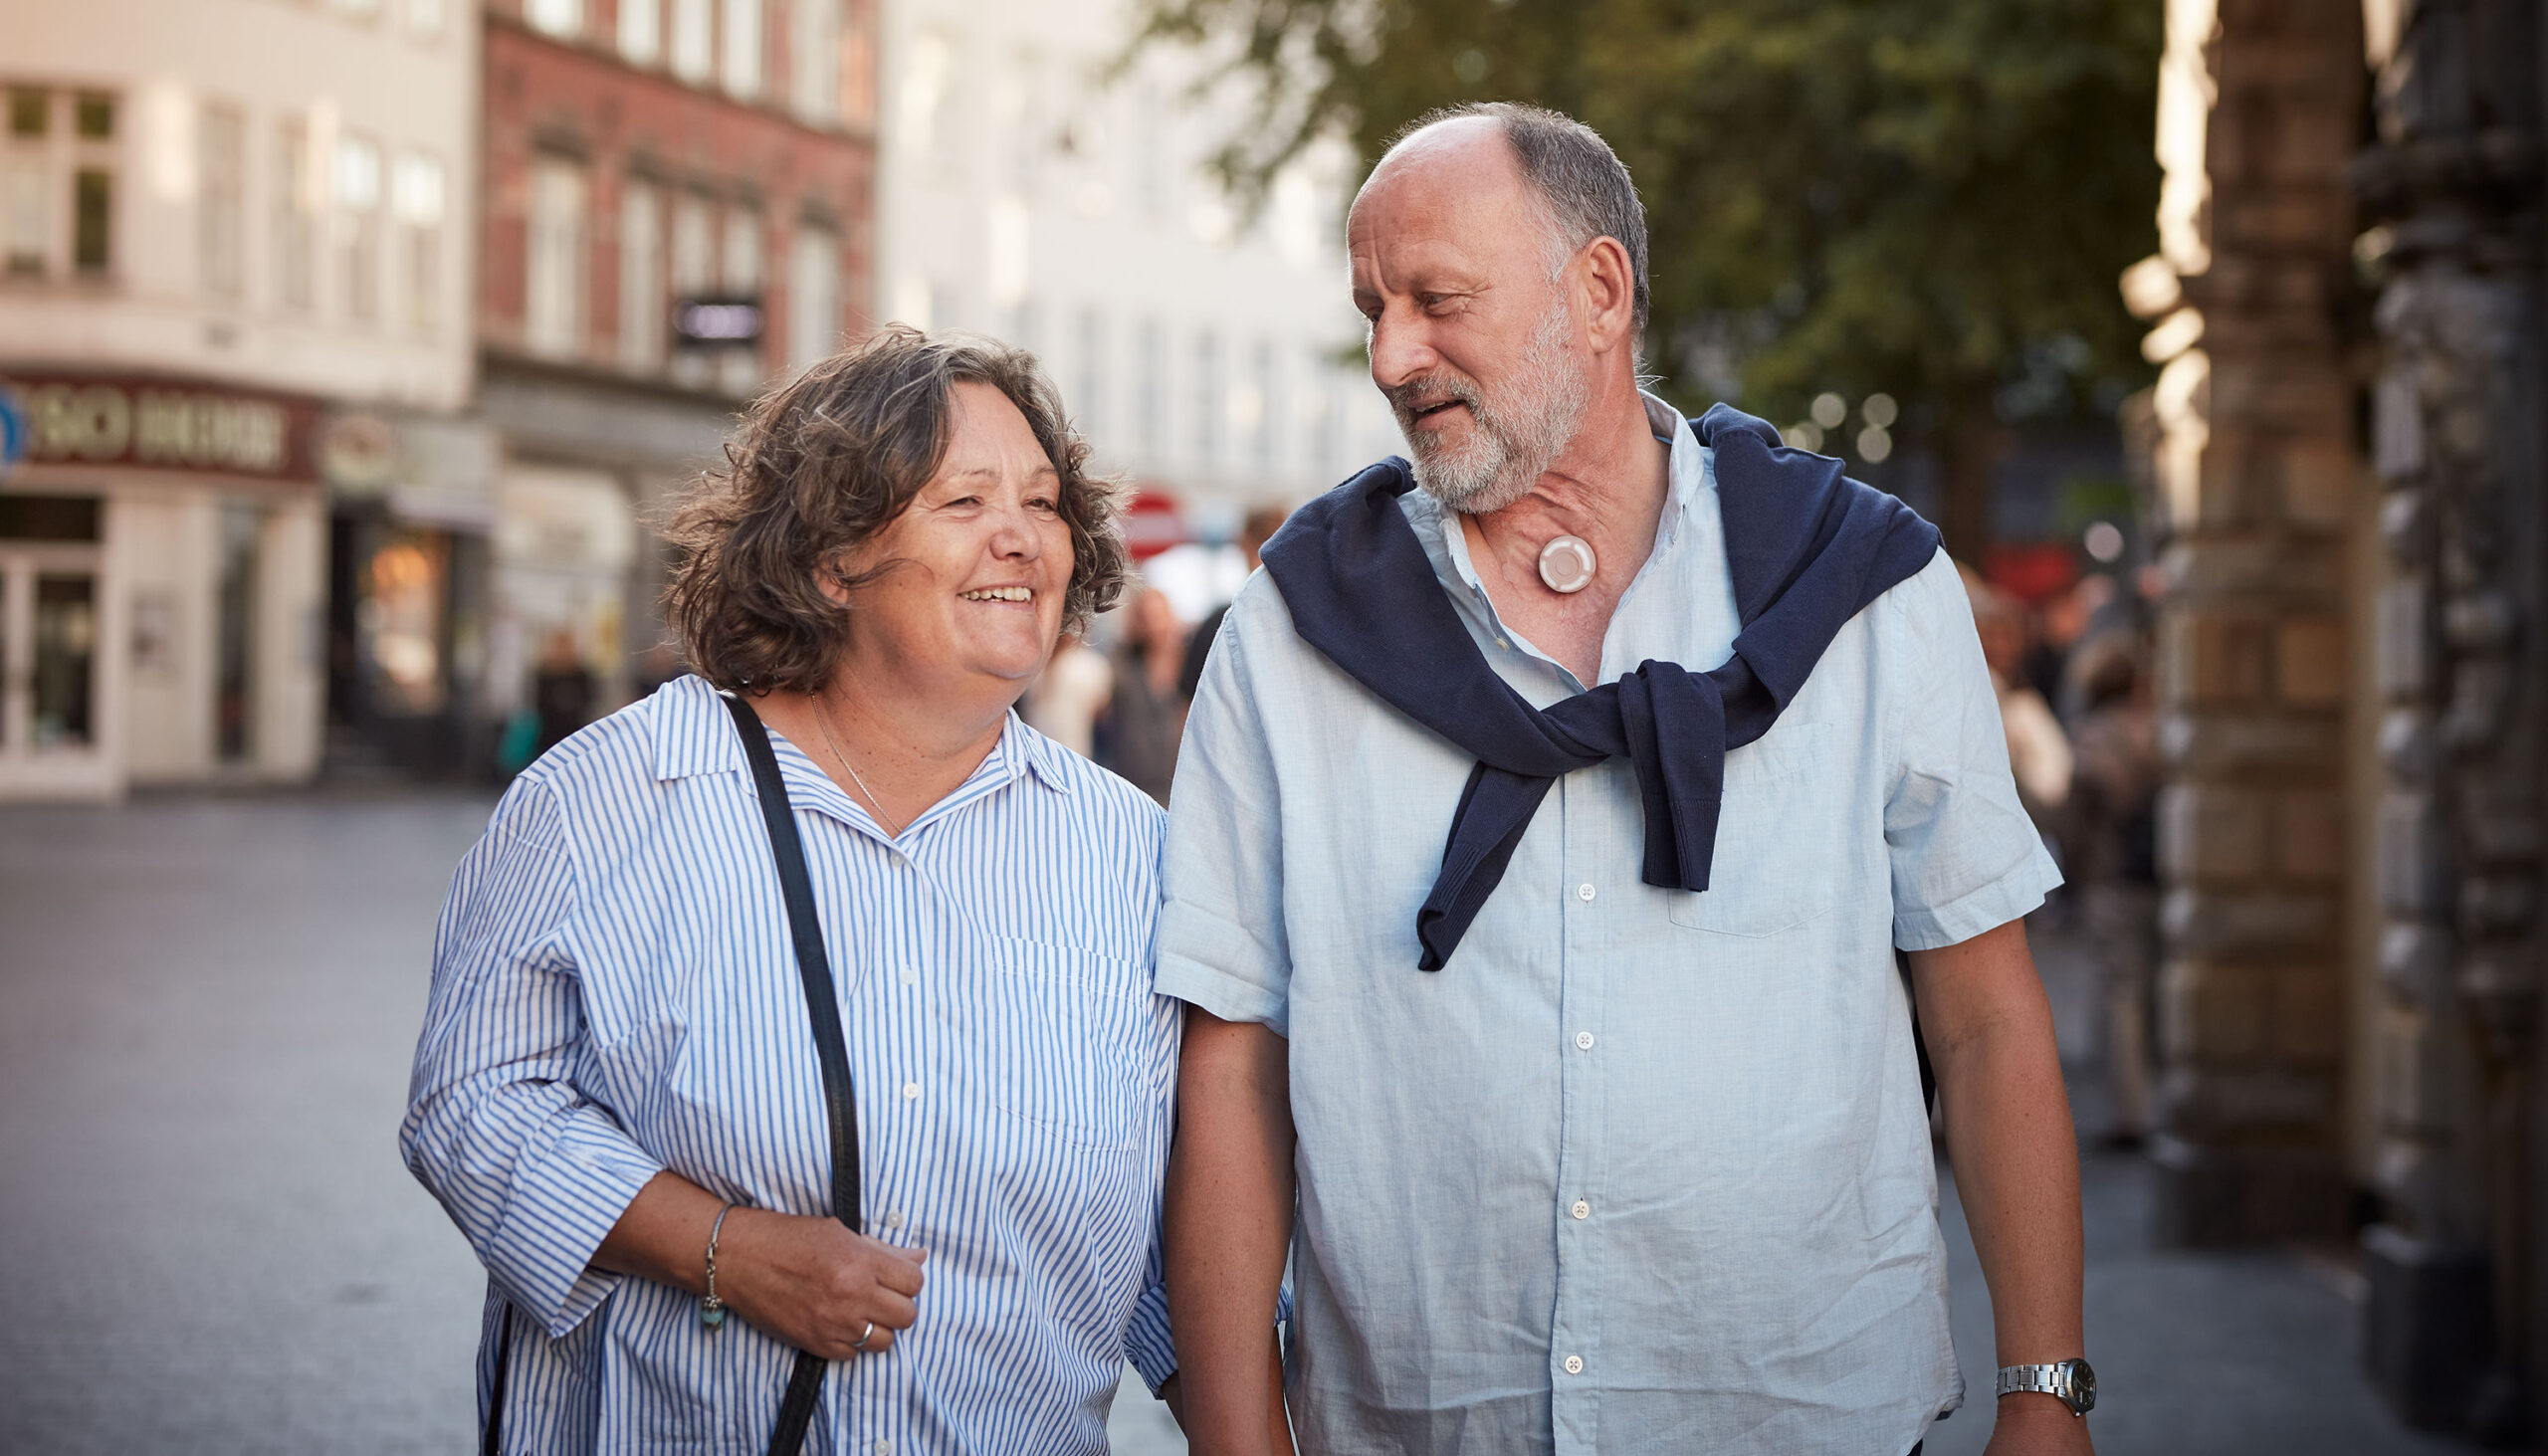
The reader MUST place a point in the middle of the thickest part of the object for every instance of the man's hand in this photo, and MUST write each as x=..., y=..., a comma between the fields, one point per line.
x=2033, y=1424
x=2017, y=1163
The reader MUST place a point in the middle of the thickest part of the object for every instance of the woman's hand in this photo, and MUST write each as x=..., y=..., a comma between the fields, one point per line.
x=807, y=1281
x=815, y=1284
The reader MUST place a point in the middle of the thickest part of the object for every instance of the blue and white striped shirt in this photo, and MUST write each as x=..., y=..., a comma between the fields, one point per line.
x=614, y=994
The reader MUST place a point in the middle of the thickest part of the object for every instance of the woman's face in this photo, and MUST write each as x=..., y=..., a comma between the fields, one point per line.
x=974, y=568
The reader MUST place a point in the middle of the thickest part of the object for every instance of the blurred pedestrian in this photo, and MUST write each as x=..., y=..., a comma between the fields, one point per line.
x=617, y=1095
x=1070, y=695
x=1595, y=1122
x=1144, y=715
x=2111, y=835
x=561, y=691
x=1254, y=530
x=2038, y=752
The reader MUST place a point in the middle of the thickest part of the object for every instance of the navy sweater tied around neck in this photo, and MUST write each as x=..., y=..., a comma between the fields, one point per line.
x=1807, y=549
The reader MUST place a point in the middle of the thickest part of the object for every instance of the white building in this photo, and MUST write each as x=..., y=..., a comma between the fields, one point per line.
x=1208, y=357
x=236, y=268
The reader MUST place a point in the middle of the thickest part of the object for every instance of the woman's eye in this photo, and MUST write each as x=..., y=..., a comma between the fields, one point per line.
x=1044, y=502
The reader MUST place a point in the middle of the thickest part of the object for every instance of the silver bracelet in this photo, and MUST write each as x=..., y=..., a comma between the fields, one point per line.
x=712, y=1310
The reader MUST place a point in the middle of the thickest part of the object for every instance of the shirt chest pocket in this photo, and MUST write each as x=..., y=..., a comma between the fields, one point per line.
x=1055, y=1036
x=1777, y=864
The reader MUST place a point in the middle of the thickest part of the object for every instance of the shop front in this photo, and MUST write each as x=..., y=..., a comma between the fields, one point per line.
x=162, y=554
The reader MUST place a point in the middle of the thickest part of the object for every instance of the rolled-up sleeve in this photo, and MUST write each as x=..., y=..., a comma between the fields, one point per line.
x=1964, y=857
x=498, y=1128
x=1221, y=944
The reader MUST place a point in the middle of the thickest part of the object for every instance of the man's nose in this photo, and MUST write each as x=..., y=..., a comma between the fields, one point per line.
x=1399, y=348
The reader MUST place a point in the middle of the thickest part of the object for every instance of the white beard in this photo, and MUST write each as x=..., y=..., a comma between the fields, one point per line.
x=1515, y=439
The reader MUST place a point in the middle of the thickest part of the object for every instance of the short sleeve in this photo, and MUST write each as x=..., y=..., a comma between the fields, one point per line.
x=1220, y=937
x=1965, y=858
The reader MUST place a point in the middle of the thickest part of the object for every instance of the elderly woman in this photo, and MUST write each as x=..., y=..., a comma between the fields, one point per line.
x=619, y=1095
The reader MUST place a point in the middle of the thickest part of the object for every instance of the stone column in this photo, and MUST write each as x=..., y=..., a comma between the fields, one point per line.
x=2455, y=183
x=2260, y=110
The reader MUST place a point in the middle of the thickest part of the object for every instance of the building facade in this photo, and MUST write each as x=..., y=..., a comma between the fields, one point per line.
x=1210, y=352
x=226, y=281
x=2354, y=665
x=678, y=210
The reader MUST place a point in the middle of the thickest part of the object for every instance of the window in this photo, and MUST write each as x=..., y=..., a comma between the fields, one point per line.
x=694, y=246
x=1256, y=406
x=813, y=52
x=425, y=17
x=1151, y=410
x=357, y=190
x=295, y=216
x=554, y=268
x=1207, y=404
x=739, y=370
x=813, y=296
x=743, y=48
x=641, y=31
x=221, y=203
x=692, y=40
x=1088, y=385
x=641, y=276
x=557, y=17
x=416, y=202
x=26, y=222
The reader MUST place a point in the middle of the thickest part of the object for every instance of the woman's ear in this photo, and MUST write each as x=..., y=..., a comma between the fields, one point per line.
x=835, y=579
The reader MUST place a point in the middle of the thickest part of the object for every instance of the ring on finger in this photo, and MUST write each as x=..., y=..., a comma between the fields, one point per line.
x=861, y=1341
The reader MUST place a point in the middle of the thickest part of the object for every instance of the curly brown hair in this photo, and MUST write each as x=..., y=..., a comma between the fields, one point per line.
x=827, y=461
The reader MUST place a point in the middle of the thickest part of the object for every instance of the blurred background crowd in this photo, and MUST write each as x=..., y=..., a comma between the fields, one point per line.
x=350, y=348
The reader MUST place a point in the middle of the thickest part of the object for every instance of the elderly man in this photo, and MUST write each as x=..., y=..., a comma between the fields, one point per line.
x=1550, y=813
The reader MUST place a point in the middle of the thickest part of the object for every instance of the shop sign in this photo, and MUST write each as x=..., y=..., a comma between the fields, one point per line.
x=727, y=320
x=165, y=425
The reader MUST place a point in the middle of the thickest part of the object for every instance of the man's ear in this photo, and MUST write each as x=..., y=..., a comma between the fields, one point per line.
x=1609, y=282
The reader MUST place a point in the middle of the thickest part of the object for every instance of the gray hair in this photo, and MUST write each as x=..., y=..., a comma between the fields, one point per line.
x=1578, y=179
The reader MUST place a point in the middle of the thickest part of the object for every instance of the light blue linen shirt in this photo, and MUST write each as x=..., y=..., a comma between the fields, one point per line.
x=615, y=993
x=1639, y=1169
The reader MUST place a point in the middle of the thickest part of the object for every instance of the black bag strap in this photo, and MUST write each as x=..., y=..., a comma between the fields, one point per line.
x=490, y=1440
x=822, y=1010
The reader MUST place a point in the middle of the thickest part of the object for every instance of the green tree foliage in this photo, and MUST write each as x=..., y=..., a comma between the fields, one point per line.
x=1931, y=198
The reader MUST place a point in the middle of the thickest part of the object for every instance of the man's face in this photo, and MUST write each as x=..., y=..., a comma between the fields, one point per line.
x=1475, y=345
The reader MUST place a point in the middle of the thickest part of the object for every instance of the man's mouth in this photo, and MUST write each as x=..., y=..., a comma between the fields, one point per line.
x=1427, y=412
x=998, y=594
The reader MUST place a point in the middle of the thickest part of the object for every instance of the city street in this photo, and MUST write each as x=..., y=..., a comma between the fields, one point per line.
x=206, y=1010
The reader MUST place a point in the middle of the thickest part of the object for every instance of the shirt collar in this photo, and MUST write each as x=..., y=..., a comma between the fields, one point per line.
x=695, y=735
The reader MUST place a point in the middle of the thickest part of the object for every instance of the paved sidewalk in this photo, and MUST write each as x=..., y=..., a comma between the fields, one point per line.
x=206, y=1011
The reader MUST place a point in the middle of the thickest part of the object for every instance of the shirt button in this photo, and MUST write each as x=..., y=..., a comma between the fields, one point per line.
x=911, y=1089
x=1584, y=892
x=1583, y=1041
x=1581, y=1209
x=893, y=1219
x=909, y=975
x=1574, y=1364
x=884, y=1448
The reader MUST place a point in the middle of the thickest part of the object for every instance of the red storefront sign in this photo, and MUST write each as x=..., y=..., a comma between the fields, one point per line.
x=165, y=424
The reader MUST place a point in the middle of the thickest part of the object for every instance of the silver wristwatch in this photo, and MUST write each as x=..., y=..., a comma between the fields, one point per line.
x=2070, y=1381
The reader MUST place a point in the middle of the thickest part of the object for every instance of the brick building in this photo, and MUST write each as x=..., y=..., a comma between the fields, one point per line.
x=640, y=158
x=2354, y=664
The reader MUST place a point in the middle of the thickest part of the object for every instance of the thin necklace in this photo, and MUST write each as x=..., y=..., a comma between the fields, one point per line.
x=892, y=829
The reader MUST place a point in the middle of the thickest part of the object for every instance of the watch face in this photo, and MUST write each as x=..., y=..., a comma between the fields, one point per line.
x=2083, y=1388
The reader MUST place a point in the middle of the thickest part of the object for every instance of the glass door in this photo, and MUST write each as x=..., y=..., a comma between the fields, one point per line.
x=48, y=655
